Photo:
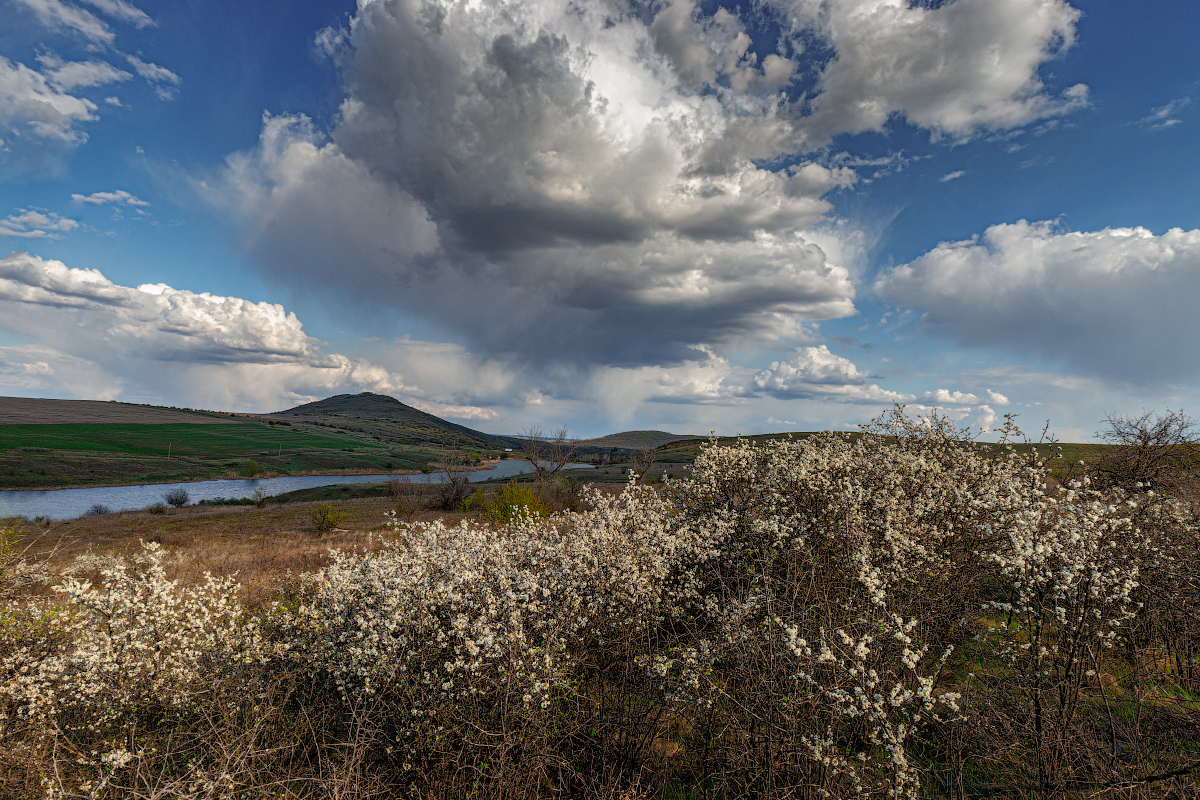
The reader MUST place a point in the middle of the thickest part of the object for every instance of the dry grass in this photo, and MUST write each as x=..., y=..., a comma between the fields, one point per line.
x=261, y=546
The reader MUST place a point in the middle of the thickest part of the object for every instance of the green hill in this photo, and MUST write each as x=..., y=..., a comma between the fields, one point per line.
x=634, y=440
x=387, y=418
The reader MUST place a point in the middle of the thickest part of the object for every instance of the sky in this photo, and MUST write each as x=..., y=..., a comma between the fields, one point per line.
x=742, y=217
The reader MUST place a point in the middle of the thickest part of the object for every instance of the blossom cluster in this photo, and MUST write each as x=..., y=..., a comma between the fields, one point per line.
x=789, y=610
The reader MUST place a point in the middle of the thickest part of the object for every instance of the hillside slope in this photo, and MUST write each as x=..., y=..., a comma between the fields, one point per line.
x=42, y=411
x=634, y=440
x=387, y=417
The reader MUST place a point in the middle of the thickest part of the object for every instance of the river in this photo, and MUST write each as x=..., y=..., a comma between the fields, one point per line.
x=71, y=503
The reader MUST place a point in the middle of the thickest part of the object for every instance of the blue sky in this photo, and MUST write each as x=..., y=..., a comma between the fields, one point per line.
x=774, y=215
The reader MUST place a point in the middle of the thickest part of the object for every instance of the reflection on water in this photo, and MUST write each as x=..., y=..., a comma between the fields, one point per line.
x=72, y=503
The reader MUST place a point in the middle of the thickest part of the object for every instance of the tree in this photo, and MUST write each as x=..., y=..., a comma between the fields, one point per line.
x=642, y=460
x=1147, y=452
x=177, y=497
x=457, y=486
x=547, y=453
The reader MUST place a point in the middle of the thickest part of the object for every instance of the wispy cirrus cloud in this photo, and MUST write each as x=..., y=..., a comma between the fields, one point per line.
x=119, y=197
x=1165, y=116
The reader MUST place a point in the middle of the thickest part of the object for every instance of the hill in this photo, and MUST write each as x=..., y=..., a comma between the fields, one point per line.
x=635, y=440
x=387, y=419
x=41, y=411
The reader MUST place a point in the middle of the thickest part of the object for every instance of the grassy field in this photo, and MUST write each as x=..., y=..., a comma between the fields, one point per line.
x=247, y=439
x=49, y=456
x=60, y=443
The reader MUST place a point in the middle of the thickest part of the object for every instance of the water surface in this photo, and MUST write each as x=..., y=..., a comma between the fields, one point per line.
x=72, y=503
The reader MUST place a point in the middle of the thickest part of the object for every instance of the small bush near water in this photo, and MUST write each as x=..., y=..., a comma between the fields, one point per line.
x=904, y=615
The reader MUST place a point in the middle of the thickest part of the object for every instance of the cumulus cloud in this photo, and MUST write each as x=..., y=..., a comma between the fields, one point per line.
x=947, y=397
x=154, y=340
x=119, y=197
x=953, y=68
x=816, y=372
x=33, y=108
x=1117, y=303
x=583, y=183
x=35, y=225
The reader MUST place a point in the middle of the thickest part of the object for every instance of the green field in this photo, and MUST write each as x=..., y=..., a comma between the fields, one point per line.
x=182, y=439
x=79, y=454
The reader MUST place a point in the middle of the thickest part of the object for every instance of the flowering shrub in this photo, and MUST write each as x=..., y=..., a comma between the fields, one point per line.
x=108, y=655
x=833, y=616
x=469, y=623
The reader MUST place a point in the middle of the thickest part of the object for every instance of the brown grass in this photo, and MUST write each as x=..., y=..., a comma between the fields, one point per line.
x=258, y=545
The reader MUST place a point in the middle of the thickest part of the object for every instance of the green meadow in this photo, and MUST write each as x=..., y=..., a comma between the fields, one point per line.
x=180, y=439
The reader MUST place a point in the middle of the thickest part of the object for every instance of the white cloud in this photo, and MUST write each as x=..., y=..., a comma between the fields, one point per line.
x=816, y=372
x=951, y=176
x=1118, y=302
x=126, y=12
x=33, y=108
x=947, y=397
x=154, y=340
x=579, y=183
x=943, y=397
x=153, y=72
x=456, y=412
x=119, y=197
x=40, y=114
x=165, y=81
x=57, y=15
x=68, y=75
x=1164, y=116
x=954, y=68
x=35, y=224
x=42, y=371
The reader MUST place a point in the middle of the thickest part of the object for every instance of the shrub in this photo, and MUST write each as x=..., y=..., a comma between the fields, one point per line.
x=157, y=508
x=325, y=517
x=177, y=497
x=510, y=502
x=97, y=509
x=898, y=615
x=251, y=469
